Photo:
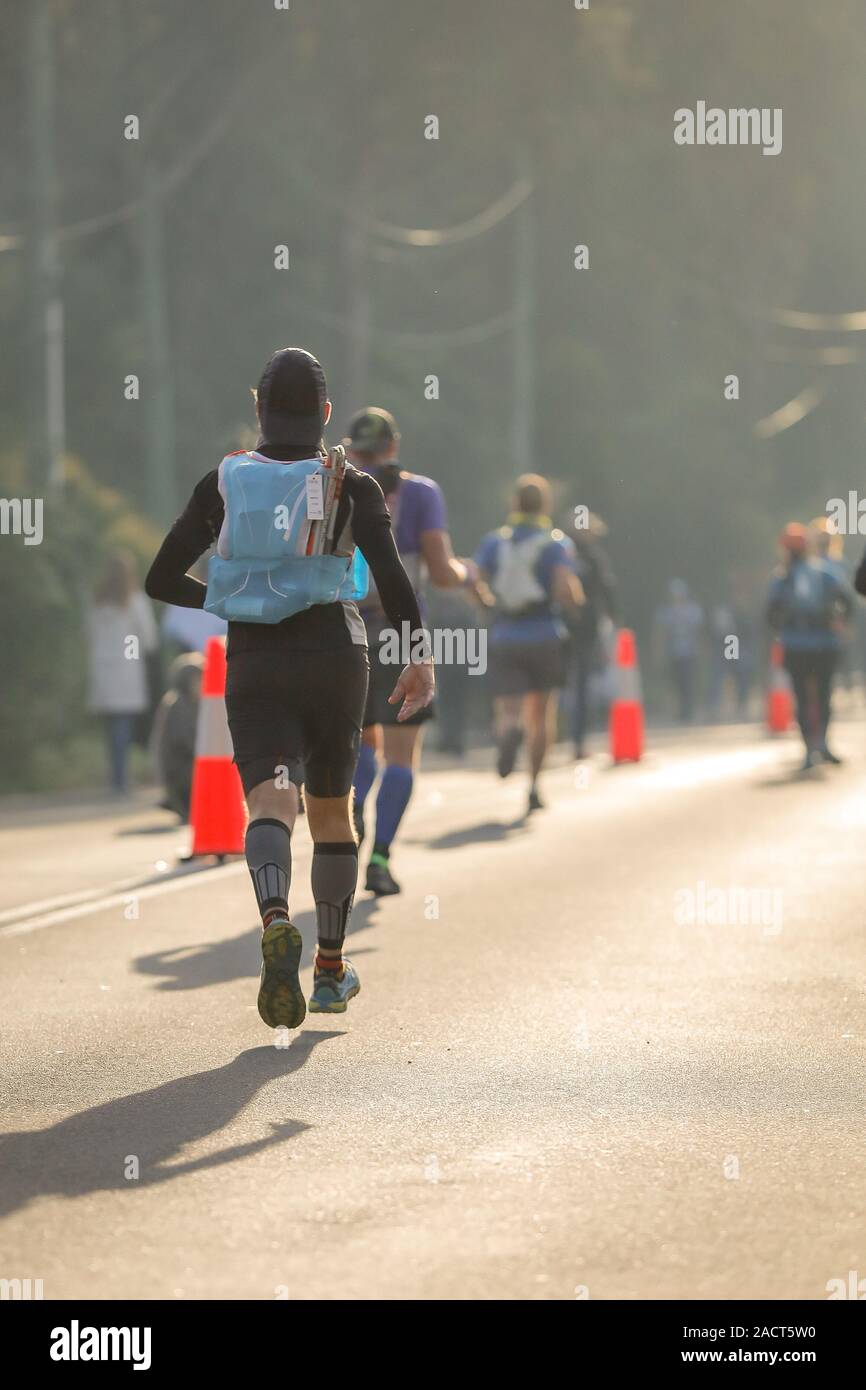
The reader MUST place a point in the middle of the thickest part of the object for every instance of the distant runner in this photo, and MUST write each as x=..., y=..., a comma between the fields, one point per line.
x=530, y=568
x=807, y=605
x=678, y=627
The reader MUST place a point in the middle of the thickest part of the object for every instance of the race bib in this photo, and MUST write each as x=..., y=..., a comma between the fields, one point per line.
x=315, y=498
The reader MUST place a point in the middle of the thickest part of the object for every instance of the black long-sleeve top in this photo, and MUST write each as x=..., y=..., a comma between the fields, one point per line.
x=362, y=506
x=600, y=594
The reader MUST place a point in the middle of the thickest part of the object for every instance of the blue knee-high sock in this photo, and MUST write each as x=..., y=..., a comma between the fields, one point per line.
x=393, y=798
x=365, y=773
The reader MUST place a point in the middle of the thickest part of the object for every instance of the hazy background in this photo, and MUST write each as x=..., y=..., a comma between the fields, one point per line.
x=306, y=128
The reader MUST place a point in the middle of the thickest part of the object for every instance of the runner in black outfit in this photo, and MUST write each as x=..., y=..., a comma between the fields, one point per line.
x=295, y=694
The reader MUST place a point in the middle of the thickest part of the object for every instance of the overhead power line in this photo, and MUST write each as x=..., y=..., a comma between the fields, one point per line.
x=477, y=225
x=462, y=231
x=792, y=412
x=481, y=223
x=853, y=322
x=168, y=182
x=448, y=337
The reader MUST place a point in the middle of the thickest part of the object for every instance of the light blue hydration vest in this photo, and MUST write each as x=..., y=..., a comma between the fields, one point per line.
x=275, y=553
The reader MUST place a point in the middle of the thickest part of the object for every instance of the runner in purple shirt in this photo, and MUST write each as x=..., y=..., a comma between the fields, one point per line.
x=420, y=526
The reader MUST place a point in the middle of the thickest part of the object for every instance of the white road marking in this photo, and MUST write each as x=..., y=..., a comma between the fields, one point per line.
x=677, y=773
x=116, y=899
x=13, y=914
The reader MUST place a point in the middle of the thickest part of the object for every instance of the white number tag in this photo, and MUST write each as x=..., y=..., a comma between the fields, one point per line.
x=315, y=498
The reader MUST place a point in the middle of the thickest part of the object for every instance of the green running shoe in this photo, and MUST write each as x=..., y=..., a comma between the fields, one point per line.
x=330, y=996
x=379, y=879
x=281, y=1001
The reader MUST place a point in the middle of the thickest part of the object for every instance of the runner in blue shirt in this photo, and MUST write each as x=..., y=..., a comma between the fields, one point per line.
x=530, y=568
x=807, y=605
x=420, y=525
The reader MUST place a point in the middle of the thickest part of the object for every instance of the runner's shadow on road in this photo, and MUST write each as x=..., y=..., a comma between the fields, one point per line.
x=93, y=1150
x=486, y=832
x=208, y=963
x=792, y=777
x=236, y=957
x=133, y=830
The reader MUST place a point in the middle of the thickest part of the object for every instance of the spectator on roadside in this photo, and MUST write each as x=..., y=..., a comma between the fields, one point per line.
x=732, y=663
x=678, y=625
x=585, y=623
x=174, y=731
x=121, y=632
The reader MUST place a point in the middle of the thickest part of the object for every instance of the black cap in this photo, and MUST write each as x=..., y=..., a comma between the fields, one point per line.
x=291, y=398
x=372, y=431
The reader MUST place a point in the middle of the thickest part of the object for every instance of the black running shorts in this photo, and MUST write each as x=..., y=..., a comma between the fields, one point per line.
x=518, y=667
x=383, y=678
x=300, y=710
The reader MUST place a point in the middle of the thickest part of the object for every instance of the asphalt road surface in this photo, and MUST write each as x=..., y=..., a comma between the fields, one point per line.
x=615, y=1052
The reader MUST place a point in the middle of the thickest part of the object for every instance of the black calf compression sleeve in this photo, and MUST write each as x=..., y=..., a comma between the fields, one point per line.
x=268, y=848
x=334, y=879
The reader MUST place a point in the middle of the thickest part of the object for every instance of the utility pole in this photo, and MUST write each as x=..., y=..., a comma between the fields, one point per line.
x=48, y=412
x=359, y=309
x=157, y=387
x=523, y=340
x=357, y=259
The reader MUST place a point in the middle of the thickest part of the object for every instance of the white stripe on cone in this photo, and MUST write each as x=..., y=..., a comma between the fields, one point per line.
x=212, y=737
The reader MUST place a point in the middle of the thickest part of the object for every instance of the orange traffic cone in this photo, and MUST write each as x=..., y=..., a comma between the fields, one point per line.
x=217, y=812
x=780, y=703
x=626, y=710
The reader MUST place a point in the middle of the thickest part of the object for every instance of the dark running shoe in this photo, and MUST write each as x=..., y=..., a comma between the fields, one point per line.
x=379, y=878
x=508, y=747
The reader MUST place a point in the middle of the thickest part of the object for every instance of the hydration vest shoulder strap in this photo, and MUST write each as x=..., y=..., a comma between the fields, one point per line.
x=226, y=465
